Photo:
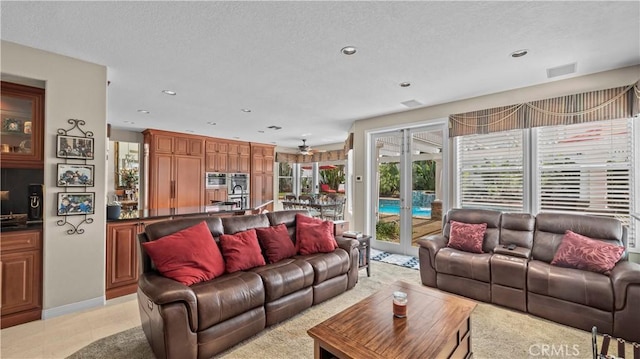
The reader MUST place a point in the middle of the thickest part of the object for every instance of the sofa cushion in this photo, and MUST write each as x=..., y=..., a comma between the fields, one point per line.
x=580, y=252
x=463, y=264
x=573, y=285
x=285, y=277
x=327, y=265
x=275, y=242
x=467, y=237
x=465, y=215
x=314, y=235
x=227, y=296
x=241, y=251
x=188, y=256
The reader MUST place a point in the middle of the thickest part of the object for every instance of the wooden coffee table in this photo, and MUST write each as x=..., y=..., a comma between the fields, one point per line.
x=437, y=326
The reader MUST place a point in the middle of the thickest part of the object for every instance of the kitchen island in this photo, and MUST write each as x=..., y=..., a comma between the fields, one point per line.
x=122, y=239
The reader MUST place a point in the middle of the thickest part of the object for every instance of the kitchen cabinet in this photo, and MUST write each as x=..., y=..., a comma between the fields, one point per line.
x=262, y=173
x=239, y=158
x=122, y=267
x=21, y=277
x=22, y=126
x=216, y=157
x=175, y=180
x=215, y=195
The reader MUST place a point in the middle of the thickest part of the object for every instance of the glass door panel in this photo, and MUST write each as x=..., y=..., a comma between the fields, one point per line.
x=426, y=166
x=386, y=194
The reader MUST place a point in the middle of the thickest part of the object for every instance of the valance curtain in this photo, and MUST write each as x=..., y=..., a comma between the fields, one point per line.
x=619, y=102
x=334, y=155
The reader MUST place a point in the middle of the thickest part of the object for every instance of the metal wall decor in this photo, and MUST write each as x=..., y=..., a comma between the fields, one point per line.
x=75, y=175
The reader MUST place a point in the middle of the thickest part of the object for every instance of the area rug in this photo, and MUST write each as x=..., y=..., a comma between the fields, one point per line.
x=496, y=332
x=397, y=259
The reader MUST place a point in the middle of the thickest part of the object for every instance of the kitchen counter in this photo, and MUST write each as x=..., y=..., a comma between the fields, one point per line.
x=24, y=226
x=211, y=210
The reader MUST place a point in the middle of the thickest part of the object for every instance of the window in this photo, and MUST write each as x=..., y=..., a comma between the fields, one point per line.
x=285, y=179
x=585, y=168
x=490, y=172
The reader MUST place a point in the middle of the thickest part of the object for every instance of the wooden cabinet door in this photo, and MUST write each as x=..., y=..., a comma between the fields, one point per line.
x=210, y=146
x=268, y=187
x=161, y=180
x=181, y=146
x=258, y=164
x=257, y=189
x=221, y=162
x=232, y=149
x=232, y=163
x=162, y=144
x=223, y=147
x=122, y=256
x=188, y=186
x=267, y=164
x=210, y=162
x=21, y=285
x=22, y=130
x=196, y=147
x=244, y=164
x=244, y=150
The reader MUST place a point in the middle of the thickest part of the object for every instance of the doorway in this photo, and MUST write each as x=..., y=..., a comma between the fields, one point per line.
x=408, y=186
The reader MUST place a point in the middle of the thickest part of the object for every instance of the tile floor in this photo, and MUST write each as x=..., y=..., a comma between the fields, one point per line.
x=61, y=336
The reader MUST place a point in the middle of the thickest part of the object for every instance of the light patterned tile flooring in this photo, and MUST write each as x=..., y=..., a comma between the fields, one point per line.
x=61, y=336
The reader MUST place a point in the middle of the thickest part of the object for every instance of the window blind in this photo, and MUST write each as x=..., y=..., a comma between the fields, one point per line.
x=490, y=171
x=586, y=168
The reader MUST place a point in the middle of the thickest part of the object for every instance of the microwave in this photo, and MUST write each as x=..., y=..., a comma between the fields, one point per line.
x=215, y=180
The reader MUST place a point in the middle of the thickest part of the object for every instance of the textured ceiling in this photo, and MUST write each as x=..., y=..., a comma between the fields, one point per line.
x=282, y=60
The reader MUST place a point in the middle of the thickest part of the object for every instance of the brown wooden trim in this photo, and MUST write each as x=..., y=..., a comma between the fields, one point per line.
x=120, y=291
x=26, y=316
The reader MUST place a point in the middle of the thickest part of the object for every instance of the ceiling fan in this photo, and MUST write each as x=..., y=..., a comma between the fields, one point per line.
x=304, y=149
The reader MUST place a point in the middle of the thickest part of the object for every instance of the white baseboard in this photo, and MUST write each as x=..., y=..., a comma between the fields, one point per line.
x=73, y=307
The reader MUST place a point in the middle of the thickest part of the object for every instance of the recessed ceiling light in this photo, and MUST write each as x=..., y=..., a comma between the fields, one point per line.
x=236, y=137
x=191, y=131
x=260, y=131
x=519, y=53
x=405, y=84
x=246, y=110
x=211, y=123
x=169, y=92
x=144, y=111
x=129, y=122
x=348, y=50
x=274, y=142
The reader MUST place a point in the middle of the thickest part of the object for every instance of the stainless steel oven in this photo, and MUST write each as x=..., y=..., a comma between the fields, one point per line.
x=238, y=183
x=215, y=180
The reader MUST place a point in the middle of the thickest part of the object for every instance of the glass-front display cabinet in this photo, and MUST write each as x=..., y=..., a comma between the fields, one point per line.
x=21, y=126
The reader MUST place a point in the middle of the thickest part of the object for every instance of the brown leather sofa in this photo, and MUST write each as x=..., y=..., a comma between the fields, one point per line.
x=524, y=279
x=206, y=318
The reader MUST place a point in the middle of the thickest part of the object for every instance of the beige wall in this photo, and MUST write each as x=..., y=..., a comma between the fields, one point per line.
x=74, y=265
x=603, y=80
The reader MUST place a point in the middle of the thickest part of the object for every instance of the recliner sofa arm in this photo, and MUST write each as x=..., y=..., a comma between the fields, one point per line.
x=623, y=275
x=347, y=244
x=161, y=290
x=433, y=244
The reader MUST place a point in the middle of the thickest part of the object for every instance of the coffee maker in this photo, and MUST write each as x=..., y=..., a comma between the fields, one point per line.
x=34, y=210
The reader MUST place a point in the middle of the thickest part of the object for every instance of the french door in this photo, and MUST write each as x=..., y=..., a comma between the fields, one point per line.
x=407, y=170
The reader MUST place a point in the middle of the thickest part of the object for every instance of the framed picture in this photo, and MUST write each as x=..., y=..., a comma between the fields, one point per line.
x=71, y=204
x=70, y=175
x=11, y=125
x=74, y=147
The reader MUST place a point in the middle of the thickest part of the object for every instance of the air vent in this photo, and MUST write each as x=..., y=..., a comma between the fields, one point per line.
x=561, y=70
x=412, y=103
x=273, y=127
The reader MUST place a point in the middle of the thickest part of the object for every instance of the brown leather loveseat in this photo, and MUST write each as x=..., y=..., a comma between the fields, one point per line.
x=204, y=319
x=523, y=277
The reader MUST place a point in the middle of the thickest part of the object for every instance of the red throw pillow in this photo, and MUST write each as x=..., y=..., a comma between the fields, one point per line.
x=467, y=237
x=241, y=251
x=188, y=256
x=314, y=235
x=580, y=252
x=276, y=243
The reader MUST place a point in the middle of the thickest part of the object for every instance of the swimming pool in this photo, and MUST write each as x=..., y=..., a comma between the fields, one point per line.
x=392, y=206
